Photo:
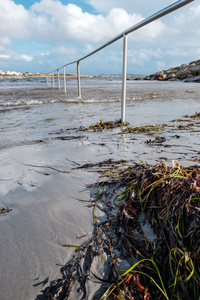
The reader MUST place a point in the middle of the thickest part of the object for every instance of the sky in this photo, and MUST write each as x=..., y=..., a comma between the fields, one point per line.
x=39, y=36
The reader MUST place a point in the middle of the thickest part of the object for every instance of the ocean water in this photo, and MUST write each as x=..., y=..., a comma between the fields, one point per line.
x=40, y=150
x=31, y=111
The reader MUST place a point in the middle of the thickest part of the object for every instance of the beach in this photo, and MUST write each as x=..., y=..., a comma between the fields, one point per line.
x=42, y=148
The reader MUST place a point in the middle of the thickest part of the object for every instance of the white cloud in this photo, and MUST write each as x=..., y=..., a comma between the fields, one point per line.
x=25, y=57
x=61, y=22
x=4, y=56
x=14, y=21
x=73, y=33
x=52, y=21
x=142, y=56
x=192, y=19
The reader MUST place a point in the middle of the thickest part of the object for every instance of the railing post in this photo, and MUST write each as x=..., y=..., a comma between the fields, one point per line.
x=53, y=80
x=58, y=78
x=48, y=80
x=124, y=74
x=64, y=78
x=78, y=80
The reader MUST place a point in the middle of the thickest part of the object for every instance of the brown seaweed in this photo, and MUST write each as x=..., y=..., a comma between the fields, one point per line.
x=149, y=129
x=5, y=210
x=168, y=267
x=104, y=125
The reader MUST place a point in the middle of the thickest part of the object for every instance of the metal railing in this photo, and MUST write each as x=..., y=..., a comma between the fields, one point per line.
x=123, y=35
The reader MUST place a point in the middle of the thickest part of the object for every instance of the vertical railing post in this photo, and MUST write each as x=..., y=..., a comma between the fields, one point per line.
x=78, y=80
x=58, y=78
x=53, y=80
x=64, y=78
x=124, y=74
x=48, y=80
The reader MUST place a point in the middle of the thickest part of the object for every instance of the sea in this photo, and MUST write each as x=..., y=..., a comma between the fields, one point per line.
x=42, y=151
x=31, y=110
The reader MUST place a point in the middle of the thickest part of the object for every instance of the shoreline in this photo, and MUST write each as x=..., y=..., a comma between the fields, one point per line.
x=46, y=188
x=71, y=76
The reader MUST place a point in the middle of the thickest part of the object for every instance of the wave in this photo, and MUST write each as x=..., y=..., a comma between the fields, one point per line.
x=39, y=102
x=26, y=102
x=30, y=102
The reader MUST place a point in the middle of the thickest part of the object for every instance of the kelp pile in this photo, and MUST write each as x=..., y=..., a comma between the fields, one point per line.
x=104, y=125
x=166, y=266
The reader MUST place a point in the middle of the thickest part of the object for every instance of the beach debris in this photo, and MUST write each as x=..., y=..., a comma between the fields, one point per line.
x=195, y=116
x=189, y=119
x=135, y=266
x=149, y=129
x=157, y=140
x=5, y=210
x=182, y=120
x=195, y=158
x=104, y=125
x=45, y=281
x=152, y=129
x=68, y=138
x=47, y=167
x=103, y=164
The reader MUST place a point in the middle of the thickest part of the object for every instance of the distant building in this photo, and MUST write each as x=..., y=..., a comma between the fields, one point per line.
x=11, y=73
x=2, y=72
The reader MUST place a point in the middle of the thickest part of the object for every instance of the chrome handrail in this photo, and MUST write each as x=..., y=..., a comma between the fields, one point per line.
x=123, y=35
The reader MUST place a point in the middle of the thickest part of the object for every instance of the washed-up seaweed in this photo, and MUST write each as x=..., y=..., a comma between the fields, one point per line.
x=104, y=125
x=137, y=267
x=103, y=164
x=149, y=129
x=158, y=140
x=5, y=210
x=152, y=129
x=192, y=121
x=196, y=115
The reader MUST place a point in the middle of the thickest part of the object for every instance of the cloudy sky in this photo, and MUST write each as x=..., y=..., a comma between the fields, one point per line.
x=42, y=35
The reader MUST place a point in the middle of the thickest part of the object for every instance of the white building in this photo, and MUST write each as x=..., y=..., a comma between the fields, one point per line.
x=11, y=73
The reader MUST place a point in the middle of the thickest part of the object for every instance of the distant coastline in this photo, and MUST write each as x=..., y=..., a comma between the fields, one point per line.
x=189, y=72
x=13, y=74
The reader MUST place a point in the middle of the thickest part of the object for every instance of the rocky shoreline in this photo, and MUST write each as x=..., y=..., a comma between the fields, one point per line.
x=189, y=72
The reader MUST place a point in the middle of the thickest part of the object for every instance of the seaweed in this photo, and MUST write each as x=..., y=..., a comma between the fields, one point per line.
x=149, y=129
x=196, y=115
x=104, y=125
x=5, y=210
x=167, y=267
x=158, y=140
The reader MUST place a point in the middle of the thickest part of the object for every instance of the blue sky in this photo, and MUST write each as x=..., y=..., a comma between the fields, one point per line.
x=42, y=35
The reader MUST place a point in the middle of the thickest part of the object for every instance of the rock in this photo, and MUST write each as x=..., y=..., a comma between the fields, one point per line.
x=164, y=76
x=189, y=72
x=192, y=79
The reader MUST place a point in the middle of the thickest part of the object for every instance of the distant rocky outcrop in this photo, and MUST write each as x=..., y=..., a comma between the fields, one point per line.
x=186, y=72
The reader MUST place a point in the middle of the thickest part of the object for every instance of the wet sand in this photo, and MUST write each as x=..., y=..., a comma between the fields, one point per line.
x=41, y=184
x=38, y=176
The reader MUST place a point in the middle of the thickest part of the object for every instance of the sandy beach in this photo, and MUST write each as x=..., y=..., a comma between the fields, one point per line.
x=40, y=182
